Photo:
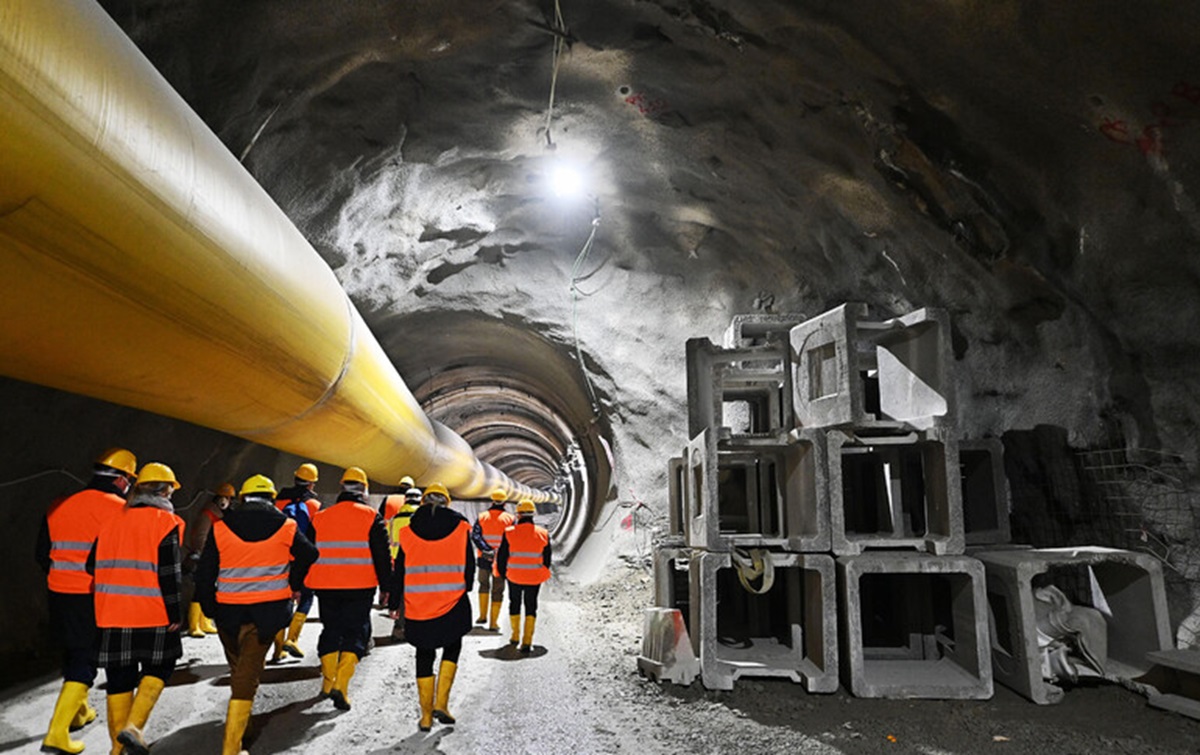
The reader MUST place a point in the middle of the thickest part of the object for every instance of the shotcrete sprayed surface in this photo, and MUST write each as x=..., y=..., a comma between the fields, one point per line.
x=579, y=692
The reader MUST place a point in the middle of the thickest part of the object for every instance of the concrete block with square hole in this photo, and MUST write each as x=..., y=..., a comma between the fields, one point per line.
x=894, y=491
x=985, y=501
x=887, y=375
x=1125, y=587
x=740, y=393
x=760, y=329
x=765, y=494
x=787, y=631
x=914, y=626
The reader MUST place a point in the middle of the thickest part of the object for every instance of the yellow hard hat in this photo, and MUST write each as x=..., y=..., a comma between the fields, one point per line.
x=307, y=472
x=406, y=480
x=499, y=495
x=226, y=490
x=438, y=489
x=157, y=472
x=354, y=474
x=119, y=458
x=258, y=484
x=526, y=507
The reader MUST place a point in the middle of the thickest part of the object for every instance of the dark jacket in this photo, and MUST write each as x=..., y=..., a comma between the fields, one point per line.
x=252, y=522
x=431, y=523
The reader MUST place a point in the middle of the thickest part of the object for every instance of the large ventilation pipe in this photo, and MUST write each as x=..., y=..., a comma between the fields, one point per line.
x=144, y=266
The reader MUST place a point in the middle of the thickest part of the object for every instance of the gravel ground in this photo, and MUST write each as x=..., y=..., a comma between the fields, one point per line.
x=579, y=692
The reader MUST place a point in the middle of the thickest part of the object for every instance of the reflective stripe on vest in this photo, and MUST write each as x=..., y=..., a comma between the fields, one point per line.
x=342, y=537
x=526, y=544
x=492, y=524
x=127, y=590
x=254, y=572
x=74, y=523
x=434, y=572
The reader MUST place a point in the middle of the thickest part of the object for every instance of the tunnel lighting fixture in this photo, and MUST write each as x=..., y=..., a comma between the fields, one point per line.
x=566, y=181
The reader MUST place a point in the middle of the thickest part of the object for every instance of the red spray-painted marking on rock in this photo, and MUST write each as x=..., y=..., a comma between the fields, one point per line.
x=645, y=105
x=1149, y=137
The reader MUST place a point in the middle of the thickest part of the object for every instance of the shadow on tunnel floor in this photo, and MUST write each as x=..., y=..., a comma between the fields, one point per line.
x=509, y=652
x=417, y=742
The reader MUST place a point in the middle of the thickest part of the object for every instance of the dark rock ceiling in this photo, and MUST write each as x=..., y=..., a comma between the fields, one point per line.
x=1029, y=166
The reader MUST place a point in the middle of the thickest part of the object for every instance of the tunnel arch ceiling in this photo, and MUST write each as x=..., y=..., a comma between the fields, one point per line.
x=518, y=398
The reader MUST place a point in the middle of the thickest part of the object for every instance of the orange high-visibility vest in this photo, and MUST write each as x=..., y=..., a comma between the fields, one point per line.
x=492, y=523
x=526, y=543
x=254, y=572
x=180, y=523
x=127, y=590
x=74, y=523
x=343, y=538
x=312, y=504
x=212, y=516
x=434, y=578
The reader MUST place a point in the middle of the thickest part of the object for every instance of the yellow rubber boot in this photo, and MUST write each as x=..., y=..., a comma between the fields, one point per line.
x=293, y=634
x=277, y=656
x=340, y=694
x=84, y=716
x=483, y=607
x=118, y=715
x=58, y=737
x=494, y=625
x=425, y=694
x=515, y=620
x=527, y=641
x=329, y=666
x=195, y=617
x=207, y=624
x=236, y=719
x=445, y=680
x=144, y=701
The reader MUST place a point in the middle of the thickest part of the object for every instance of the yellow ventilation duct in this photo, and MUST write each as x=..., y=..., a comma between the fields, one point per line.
x=142, y=265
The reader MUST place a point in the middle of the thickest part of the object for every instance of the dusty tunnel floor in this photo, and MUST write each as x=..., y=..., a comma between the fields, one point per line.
x=579, y=692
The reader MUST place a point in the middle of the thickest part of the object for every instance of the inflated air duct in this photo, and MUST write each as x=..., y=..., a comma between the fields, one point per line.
x=142, y=265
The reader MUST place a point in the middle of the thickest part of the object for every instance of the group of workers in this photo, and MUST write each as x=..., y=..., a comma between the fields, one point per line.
x=117, y=563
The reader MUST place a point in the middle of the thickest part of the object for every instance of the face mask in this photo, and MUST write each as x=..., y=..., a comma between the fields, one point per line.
x=122, y=484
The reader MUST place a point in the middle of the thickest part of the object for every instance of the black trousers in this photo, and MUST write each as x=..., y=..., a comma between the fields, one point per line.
x=518, y=594
x=73, y=618
x=345, y=621
x=425, y=657
x=126, y=678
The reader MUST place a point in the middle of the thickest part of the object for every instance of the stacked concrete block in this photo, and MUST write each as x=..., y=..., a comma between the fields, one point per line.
x=985, y=496
x=914, y=626
x=1124, y=586
x=894, y=491
x=788, y=631
x=667, y=653
x=735, y=400
x=887, y=375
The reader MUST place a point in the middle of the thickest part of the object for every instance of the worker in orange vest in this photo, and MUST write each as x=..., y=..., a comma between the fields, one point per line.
x=434, y=570
x=198, y=623
x=253, y=562
x=354, y=561
x=300, y=503
x=487, y=533
x=412, y=500
x=391, y=505
x=524, y=560
x=66, y=537
x=139, y=604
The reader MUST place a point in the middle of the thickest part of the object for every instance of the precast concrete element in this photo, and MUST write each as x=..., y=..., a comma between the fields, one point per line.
x=756, y=494
x=667, y=653
x=737, y=401
x=760, y=328
x=788, y=631
x=894, y=491
x=985, y=498
x=888, y=375
x=1174, y=681
x=914, y=626
x=672, y=567
x=1126, y=587
x=675, y=484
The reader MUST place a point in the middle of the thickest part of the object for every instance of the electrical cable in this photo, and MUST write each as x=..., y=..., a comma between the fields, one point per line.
x=560, y=32
x=575, y=293
x=41, y=474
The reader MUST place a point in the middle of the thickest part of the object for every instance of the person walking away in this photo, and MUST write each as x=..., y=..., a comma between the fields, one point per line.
x=524, y=560
x=200, y=624
x=412, y=500
x=354, y=561
x=62, y=548
x=434, y=570
x=253, y=562
x=389, y=507
x=299, y=502
x=486, y=534
x=139, y=606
